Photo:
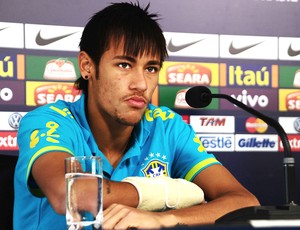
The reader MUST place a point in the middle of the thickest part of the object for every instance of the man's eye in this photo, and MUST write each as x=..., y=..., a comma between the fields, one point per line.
x=152, y=69
x=124, y=65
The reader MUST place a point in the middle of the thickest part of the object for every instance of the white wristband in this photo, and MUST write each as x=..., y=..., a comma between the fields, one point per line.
x=162, y=193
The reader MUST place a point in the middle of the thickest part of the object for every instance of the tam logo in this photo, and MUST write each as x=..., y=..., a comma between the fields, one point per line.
x=188, y=74
x=212, y=121
x=51, y=93
x=213, y=124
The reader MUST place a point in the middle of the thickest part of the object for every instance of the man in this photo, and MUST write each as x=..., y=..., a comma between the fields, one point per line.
x=121, y=52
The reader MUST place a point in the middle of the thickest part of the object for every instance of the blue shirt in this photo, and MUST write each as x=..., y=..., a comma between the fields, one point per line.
x=162, y=143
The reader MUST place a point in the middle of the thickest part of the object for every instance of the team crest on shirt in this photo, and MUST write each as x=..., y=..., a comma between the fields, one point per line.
x=155, y=165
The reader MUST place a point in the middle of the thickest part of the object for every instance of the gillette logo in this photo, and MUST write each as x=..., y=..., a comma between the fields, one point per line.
x=246, y=142
x=254, y=143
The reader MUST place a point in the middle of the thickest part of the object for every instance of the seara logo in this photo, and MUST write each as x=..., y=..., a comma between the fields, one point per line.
x=254, y=124
x=188, y=74
x=293, y=101
x=53, y=92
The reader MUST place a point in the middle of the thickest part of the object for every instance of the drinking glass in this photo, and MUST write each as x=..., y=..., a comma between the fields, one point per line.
x=83, y=176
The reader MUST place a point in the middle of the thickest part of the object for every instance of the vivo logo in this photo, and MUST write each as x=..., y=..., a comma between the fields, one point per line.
x=247, y=99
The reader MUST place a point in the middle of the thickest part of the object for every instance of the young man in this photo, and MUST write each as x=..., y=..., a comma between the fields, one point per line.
x=142, y=146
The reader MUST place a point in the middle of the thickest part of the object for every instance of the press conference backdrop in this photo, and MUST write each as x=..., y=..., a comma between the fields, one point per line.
x=249, y=49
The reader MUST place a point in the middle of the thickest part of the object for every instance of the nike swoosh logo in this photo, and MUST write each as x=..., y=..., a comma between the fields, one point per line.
x=175, y=48
x=234, y=50
x=46, y=41
x=3, y=28
x=292, y=52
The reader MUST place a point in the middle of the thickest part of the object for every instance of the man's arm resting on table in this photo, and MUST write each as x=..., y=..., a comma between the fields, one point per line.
x=219, y=186
x=222, y=191
x=48, y=172
x=118, y=192
x=224, y=194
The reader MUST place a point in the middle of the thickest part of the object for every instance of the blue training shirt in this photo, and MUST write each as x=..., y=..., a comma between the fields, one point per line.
x=162, y=144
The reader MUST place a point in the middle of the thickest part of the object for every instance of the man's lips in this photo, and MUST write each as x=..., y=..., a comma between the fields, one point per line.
x=136, y=101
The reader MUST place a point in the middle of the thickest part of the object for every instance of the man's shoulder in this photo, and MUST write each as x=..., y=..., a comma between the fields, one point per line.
x=49, y=110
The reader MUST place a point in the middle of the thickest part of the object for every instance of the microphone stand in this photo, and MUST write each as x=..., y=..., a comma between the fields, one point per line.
x=288, y=160
x=288, y=211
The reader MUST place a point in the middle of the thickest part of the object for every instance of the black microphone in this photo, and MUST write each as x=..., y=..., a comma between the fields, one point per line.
x=200, y=97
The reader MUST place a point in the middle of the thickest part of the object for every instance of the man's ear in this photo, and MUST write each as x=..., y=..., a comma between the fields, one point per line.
x=85, y=63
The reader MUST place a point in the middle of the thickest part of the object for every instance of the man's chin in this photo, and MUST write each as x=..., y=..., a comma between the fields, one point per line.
x=128, y=123
x=130, y=120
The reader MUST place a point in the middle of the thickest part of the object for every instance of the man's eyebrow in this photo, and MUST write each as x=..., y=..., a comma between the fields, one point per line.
x=125, y=57
x=132, y=59
x=154, y=62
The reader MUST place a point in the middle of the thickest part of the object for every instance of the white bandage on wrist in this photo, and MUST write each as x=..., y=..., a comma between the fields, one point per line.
x=161, y=193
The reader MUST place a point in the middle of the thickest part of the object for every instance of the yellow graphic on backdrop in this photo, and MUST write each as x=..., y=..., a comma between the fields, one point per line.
x=289, y=100
x=189, y=73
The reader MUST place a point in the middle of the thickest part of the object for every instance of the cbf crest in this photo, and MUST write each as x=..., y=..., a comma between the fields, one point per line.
x=155, y=165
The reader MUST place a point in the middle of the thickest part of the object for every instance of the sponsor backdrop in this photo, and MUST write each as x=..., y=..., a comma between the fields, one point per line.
x=249, y=49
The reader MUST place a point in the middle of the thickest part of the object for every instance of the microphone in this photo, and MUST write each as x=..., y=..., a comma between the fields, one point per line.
x=200, y=97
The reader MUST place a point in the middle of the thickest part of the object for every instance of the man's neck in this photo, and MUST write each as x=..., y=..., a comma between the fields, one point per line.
x=111, y=137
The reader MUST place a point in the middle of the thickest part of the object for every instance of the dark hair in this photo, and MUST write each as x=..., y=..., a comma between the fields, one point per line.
x=122, y=21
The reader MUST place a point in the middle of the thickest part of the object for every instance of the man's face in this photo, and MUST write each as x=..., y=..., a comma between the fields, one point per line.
x=125, y=85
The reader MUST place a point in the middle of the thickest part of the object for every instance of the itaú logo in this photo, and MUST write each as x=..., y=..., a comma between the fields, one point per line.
x=255, y=125
x=188, y=74
x=53, y=92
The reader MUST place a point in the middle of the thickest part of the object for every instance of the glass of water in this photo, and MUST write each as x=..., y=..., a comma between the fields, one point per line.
x=83, y=192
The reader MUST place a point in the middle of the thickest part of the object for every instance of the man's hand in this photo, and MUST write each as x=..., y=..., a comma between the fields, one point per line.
x=118, y=216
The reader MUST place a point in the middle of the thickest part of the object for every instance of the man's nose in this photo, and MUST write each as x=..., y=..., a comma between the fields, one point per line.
x=139, y=81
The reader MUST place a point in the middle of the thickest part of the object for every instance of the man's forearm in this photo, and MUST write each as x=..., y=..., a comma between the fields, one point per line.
x=119, y=192
x=208, y=213
x=152, y=194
